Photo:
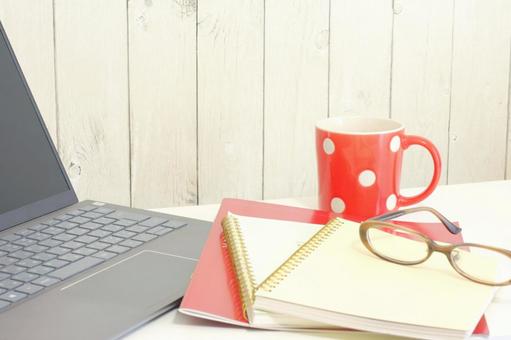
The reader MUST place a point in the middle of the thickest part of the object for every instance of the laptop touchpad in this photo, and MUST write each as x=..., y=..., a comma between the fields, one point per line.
x=130, y=289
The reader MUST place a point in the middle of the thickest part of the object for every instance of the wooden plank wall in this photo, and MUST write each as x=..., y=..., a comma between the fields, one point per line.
x=159, y=103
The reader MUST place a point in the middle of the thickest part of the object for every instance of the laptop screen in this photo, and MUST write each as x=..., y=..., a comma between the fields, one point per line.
x=29, y=169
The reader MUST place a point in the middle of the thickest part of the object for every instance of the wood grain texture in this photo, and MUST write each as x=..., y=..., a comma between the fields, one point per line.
x=421, y=75
x=230, y=99
x=296, y=93
x=480, y=79
x=163, y=103
x=360, y=57
x=92, y=85
x=29, y=26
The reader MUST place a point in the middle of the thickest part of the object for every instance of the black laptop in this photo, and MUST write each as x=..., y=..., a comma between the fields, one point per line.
x=69, y=269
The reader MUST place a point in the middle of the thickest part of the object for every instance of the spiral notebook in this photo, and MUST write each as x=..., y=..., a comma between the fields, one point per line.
x=213, y=292
x=333, y=279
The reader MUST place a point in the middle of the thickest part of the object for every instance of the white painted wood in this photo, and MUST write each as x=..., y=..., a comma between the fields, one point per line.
x=163, y=103
x=479, y=90
x=230, y=99
x=29, y=26
x=296, y=93
x=92, y=85
x=360, y=57
x=421, y=76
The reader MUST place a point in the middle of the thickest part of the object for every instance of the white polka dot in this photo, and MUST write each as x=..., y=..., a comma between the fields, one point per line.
x=367, y=178
x=395, y=143
x=328, y=146
x=391, y=202
x=337, y=205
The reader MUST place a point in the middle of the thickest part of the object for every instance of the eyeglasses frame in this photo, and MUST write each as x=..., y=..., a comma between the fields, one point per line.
x=378, y=222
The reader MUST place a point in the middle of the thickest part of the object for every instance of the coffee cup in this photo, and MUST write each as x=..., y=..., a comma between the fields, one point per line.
x=359, y=163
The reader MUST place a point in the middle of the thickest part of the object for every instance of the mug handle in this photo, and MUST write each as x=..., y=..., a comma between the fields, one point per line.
x=406, y=142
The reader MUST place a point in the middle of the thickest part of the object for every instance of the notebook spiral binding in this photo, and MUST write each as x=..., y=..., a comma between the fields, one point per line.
x=241, y=263
x=299, y=255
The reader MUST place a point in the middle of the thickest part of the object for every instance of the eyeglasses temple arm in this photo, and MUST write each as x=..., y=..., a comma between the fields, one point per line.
x=453, y=228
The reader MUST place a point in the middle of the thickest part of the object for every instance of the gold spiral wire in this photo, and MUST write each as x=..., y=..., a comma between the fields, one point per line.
x=239, y=257
x=272, y=281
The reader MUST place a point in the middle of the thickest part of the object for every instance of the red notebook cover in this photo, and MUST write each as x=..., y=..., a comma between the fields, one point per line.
x=213, y=292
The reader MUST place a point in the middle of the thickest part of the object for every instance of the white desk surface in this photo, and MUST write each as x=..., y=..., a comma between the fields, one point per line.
x=483, y=210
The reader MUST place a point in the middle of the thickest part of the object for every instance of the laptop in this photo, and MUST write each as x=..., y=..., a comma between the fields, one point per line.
x=69, y=269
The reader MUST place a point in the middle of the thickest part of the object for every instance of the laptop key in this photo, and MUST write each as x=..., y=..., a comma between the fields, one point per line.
x=119, y=215
x=3, y=276
x=92, y=215
x=36, y=248
x=87, y=207
x=64, y=217
x=50, y=243
x=9, y=284
x=13, y=269
x=111, y=239
x=43, y=256
x=78, y=231
x=86, y=239
x=103, y=210
x=67, y=225
x=75, y=212
x=79, y=220
x=58, y=250
x=84, y=251
x=25, y=277
x=159, y=230
x=24, y=232
x=104, y=220
x=125, y=223
x=10, y=237
x=56, y=263
x=144, y=237
x=40, y=270
x=124, y=234
x=53, y=230
x=112, y=227
x=38, y=236
x=99, y=233
x=51, y=222
x=21, y=254
x=130, y=243
x=28, y=263
x=72, y=245
x=13, y=296
x=38, y=227
x=70, y=257
x=5, y=261
x=137, y=228
x=76, y=267
x=153, y=221
x=24, y=242
x=105, y=255
x=45, y=281
x=98, y=245
x=91, y=225
x=29, y=288
x=64, y=237
x=174, y=224
x=118, y=249
x=9, y=248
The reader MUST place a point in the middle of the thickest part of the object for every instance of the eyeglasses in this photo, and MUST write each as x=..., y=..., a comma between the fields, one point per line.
x=479, y=263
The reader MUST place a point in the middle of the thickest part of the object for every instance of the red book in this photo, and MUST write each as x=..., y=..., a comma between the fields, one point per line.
x=213, y=290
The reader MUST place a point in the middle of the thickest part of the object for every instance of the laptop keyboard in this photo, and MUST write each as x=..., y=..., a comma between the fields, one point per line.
x=39, y=256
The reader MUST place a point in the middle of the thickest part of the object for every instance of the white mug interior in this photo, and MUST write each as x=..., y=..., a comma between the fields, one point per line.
x=358, y=125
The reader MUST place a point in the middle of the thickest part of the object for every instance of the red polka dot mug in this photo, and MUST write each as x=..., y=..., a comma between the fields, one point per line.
x=359, y=165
